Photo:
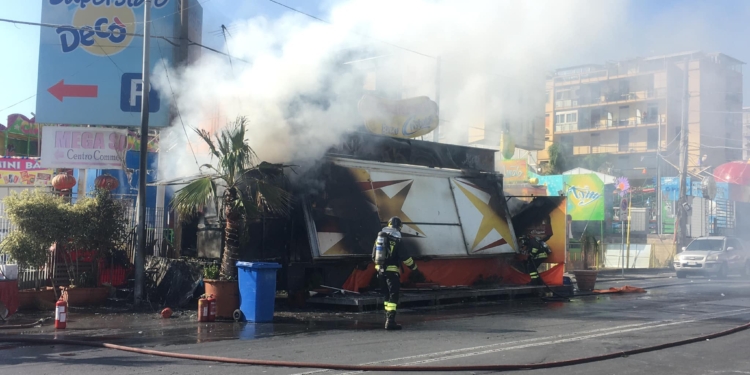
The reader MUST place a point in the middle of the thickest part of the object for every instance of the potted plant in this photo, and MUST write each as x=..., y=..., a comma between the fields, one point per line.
x=79, y=234
x=586, y=278
x=245, y=190
x=28, y=252
x=99, y=231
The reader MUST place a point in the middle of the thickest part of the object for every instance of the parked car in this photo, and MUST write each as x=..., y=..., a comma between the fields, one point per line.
x=718, y=256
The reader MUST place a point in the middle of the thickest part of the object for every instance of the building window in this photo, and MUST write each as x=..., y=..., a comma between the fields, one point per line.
x=652, y=114
x=566, y=121
x=623, y=162
x=624, y=116
x=567, y=142
x=652, y=141
x=596, y=142
x=624, y=142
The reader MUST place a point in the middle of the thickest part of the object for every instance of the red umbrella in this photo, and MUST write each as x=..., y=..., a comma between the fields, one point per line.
x=734, y=172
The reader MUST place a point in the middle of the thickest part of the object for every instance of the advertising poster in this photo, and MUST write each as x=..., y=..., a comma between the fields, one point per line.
x=514, y=171
x=585, y=193
x=72, y=147
x=23, y=172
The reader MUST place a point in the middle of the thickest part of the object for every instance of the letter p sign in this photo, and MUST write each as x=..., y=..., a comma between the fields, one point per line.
x=131, y=94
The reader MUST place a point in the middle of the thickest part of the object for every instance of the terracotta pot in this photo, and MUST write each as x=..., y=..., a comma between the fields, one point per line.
x=32, y=299
x=586, y=279
x=79, y=297
x=227, y=294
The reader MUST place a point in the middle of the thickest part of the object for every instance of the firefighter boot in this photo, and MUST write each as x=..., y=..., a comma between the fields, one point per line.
x=390, y=321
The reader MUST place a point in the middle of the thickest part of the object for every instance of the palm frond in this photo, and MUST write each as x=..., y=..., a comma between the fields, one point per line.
x=194, y=196
x=273, y=198
x=209, y=142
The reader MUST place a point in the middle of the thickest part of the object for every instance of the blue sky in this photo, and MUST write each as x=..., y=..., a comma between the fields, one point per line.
x=654, y=27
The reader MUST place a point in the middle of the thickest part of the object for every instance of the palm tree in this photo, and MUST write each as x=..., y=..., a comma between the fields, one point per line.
x=247, y=189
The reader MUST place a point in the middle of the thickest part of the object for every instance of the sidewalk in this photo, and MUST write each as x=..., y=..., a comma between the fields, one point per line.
x=612, y=274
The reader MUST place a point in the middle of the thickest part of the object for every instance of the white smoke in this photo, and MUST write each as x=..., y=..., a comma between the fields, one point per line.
x=289, y=78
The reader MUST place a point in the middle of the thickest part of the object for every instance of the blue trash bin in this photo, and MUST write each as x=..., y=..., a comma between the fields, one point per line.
x=257, y=281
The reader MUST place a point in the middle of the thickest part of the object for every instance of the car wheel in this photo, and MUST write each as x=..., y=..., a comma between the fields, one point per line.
x=681, y=275
x=722, y=273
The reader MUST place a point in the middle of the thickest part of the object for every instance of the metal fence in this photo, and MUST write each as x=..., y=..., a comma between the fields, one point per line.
x=159, y=242
x=30, y=277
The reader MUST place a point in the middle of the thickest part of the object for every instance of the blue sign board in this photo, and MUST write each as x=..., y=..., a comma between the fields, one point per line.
x=90, y=67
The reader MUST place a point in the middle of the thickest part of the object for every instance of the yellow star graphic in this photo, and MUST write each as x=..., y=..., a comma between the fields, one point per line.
x=389, y=207
x=490, y=219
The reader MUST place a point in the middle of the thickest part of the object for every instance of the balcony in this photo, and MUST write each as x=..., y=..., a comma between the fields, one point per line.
x=613, y=149
x=633, y=122
x=612, y=98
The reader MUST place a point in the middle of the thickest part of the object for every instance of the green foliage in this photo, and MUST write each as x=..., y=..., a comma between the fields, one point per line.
x=248, y=190
x=211, y=272
x=559, y=158
x=45, y=217
x=95, y=224
x=27, y=250
x=101, y=221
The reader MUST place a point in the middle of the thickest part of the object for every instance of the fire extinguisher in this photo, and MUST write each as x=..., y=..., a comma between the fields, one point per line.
x=203, y=309
x=211, y=308
x=61, y=314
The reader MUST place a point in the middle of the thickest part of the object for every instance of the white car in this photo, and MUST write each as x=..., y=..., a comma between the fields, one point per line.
x=718, y=256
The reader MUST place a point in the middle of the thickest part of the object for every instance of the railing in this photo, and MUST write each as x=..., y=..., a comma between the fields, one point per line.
x=607, y=124
x=612, y=98
x=611, y=149
x=30, y=277
x=159, y=240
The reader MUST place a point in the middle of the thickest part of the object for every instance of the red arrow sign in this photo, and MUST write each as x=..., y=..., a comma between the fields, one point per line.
x=61, y=90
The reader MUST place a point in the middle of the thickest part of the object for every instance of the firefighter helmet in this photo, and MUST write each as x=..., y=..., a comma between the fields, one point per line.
x=395, y=222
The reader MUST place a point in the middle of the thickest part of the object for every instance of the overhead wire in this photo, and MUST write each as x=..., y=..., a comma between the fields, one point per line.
x=353, y=32
x=176, y=106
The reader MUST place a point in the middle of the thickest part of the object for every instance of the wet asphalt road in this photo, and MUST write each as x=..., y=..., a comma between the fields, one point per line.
x=523, y=331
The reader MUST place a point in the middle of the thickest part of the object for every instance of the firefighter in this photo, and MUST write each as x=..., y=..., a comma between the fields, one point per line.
x=388, y=254
x=537, y=252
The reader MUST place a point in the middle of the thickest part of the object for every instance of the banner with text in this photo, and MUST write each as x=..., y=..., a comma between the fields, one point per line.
x=514, y=171
x=585, y=194
x=95, y=148
x=23, y=172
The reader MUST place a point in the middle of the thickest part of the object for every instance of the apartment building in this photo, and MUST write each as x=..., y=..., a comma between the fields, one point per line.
x=628, y=110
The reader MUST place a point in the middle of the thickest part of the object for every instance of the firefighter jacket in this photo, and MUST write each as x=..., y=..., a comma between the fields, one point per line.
x=396, y=254
x=539, y=250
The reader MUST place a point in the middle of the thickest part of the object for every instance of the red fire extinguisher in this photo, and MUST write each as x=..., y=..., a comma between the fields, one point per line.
x=61, y=314
x=211, y=308
x=203, y=309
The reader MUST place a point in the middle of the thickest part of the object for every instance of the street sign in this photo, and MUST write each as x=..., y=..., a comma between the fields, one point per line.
x=90, y=66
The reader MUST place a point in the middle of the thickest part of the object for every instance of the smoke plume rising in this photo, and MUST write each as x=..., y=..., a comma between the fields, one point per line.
x=298, y=80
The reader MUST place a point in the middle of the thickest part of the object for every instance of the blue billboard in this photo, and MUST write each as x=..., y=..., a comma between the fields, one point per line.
x=90, y=67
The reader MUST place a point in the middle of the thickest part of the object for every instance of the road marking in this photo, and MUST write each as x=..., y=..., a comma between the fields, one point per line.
x=550, y=340
x=579, y=338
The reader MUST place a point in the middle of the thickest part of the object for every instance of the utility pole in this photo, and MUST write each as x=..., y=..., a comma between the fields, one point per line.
x=184, y=32
x=140, y=251
x=436, y=133
x=658, y=179
x=682, y=201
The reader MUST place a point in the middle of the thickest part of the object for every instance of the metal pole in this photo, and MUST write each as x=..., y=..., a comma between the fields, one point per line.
x=140, y=251
x=658, y=182
x=682, y=201
x=630, y=202
x=436, y=133
x=622, y=242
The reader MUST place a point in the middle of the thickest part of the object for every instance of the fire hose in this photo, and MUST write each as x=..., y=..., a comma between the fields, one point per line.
x=27, y=325
x=331, y=366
